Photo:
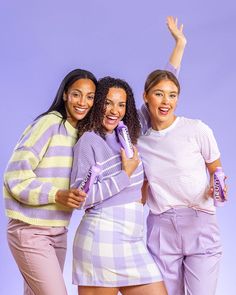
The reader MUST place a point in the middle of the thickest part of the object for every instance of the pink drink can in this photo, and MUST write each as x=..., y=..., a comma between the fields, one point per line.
x=89, y=178
x=124, y=138
x=218, y=186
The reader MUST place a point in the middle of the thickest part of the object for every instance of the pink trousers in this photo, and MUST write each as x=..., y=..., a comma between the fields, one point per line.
x=185, y=244
x=40, y=255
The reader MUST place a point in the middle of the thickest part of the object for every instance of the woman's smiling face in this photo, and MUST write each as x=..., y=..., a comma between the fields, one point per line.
x=162, y=101
x=115, y=108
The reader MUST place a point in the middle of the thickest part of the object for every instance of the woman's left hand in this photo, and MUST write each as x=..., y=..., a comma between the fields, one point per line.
x=225, y=190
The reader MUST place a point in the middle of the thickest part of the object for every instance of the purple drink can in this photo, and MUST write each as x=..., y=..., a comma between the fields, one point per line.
x=89, y=179
x=124, y=138
x=218, y=186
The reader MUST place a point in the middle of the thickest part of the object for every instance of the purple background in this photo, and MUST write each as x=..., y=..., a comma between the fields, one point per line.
x=42, y=40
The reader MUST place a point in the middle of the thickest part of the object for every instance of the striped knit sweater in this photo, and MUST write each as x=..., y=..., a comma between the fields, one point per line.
x=39, y=167
x=113, y=186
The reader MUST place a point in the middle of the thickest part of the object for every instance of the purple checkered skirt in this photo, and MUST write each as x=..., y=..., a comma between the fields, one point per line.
x=109, y=250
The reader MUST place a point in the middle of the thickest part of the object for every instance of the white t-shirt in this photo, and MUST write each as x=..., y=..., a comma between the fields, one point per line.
x=174, y=163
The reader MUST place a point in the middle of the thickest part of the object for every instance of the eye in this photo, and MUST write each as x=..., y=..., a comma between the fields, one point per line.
x=107, y=102
x=122, y=105
x=158, y=94
x=173, y=96
x=75, y=94
x=91, y=97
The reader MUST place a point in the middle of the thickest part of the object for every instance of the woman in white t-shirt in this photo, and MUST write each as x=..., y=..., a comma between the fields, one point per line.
x=177, y=153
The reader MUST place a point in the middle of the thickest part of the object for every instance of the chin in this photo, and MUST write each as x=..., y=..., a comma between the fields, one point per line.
x=81, y=117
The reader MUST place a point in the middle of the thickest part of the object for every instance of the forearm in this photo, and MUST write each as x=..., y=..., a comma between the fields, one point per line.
x=105, y=188
x=144, y=191
x=31, y=191
x=177, y=54
x=180, y=41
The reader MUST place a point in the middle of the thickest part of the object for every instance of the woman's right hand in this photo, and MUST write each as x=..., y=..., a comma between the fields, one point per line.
x=72, y=198
x=130, y=164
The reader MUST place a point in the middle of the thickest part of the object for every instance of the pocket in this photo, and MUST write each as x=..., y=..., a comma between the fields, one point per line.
x=209, y=236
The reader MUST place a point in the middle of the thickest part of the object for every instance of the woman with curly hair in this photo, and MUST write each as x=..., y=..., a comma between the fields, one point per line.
x=109, y=253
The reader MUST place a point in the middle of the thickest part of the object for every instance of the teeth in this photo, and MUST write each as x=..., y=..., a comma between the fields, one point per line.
x=80, y=110
x=111, y=118
x=164, y=109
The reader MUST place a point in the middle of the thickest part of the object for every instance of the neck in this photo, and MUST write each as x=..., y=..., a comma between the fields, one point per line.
x=160, y=125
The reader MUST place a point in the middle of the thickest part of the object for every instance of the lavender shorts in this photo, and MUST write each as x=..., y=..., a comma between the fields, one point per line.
x=109, y=250
x=185, y=244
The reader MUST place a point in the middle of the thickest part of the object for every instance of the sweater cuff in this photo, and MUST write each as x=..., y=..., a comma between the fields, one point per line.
x=52, y=195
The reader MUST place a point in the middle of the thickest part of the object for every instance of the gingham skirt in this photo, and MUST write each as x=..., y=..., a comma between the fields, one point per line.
x=109, y=249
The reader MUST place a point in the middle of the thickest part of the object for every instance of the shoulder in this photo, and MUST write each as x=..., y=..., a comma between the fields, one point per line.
x=90, y=137
x=40, y=130
x=196, y=125
x=47, y=121
x=89, y=140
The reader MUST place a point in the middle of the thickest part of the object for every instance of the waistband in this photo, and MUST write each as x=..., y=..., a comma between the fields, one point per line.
x=185, y=211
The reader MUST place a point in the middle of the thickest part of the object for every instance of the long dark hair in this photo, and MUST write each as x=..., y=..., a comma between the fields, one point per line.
x=58, y=103
x=130, y=119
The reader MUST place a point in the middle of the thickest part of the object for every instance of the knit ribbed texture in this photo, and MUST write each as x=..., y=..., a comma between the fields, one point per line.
x=113, y=186
x=39, y=167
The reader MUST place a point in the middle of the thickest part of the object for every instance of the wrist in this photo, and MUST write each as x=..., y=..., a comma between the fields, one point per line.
x=57, y=195
x=181, y=42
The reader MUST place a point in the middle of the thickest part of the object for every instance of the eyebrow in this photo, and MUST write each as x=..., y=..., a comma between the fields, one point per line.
x=78, y=90
x=112, y=101
x=157, y=89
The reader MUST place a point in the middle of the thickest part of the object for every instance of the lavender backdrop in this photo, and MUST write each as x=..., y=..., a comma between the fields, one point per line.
x=42, y=40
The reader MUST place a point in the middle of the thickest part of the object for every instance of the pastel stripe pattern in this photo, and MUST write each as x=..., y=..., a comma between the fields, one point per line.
x=113, y=186
x=39, y=167
x=109, y=250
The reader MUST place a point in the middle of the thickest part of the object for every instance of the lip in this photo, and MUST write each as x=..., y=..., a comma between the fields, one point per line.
x=80, y=110
x=112, y=120
x=164, y=111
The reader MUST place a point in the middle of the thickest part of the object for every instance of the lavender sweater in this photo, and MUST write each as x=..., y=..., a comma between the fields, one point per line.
x=113, y=186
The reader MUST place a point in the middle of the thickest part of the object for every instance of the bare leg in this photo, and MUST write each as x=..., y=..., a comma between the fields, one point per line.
x=82, y=290
x=157, y=288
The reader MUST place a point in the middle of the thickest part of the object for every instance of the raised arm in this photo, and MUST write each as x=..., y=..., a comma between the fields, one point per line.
x=180, y=41
x=173, y=65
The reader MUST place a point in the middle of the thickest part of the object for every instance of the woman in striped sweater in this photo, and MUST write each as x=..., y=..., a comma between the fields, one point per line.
x=38, y=199
x=109, y=253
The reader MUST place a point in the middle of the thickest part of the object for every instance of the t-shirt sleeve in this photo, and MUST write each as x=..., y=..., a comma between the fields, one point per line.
x=207, y=142
x=144, y=118
x=169, y=67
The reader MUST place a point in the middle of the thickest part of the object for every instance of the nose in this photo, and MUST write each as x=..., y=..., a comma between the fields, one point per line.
x=114, y=110
x=82, y=100
x=166, y=99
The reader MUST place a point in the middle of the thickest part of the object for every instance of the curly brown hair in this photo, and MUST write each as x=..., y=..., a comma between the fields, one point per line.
x=95, y=119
